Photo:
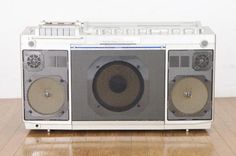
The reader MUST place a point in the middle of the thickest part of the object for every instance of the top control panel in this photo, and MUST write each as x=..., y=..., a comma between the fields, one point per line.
x=117, y=29
x=141, y=29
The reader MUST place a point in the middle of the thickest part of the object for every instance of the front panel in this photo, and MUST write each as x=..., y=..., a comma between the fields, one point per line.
x=118, y=85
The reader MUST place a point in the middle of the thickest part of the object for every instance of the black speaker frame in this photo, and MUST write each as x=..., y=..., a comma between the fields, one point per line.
x=133, y=103
x=135, y=107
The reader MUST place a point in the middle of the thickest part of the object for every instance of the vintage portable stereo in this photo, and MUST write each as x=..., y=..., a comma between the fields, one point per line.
x=127, y=76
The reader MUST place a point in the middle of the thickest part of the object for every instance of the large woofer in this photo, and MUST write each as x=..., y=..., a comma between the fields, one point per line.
x=118, y=86
x=189, y=95
x=46, y=95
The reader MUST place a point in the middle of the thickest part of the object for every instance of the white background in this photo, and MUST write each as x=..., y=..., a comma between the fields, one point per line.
x=220, y=15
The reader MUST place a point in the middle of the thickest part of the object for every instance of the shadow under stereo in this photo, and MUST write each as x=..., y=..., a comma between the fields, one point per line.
x=117, y=143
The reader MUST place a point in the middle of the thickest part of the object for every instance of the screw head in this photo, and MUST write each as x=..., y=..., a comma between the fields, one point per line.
x=31, y=43
x=204, y=43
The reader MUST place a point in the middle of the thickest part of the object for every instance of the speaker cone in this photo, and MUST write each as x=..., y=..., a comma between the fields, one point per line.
x=189, y=95
x=118, y=86
x=46, y=95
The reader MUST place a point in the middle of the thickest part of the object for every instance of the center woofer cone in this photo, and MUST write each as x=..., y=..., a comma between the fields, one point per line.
x=118, y=86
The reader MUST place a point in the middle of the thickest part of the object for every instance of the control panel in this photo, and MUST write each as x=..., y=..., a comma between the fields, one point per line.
x=115, y=29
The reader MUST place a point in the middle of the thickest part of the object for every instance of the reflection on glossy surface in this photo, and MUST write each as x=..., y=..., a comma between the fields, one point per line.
x=124, y=143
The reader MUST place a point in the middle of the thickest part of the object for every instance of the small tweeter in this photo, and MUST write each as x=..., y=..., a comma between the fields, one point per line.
x=202, y=61
x=33, y=61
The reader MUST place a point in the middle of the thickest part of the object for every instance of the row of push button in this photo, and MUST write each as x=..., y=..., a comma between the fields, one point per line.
x=139, y=31
x=57, y=32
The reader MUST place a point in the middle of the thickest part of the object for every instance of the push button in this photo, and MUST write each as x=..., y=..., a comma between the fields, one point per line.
x=188, y=31
x=175, y=31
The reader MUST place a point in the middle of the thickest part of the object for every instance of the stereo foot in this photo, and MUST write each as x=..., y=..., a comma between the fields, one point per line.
x=187, y=131
x=48, y=131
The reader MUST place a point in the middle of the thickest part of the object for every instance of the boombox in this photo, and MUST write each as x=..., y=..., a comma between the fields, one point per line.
x=126, y=76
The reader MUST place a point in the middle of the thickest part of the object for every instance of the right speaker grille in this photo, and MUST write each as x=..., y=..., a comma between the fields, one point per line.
x=190, y=85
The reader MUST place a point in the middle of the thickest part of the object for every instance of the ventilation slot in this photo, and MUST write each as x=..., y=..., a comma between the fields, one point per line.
x=174, y=61
x=58, y=61
x=184, y=61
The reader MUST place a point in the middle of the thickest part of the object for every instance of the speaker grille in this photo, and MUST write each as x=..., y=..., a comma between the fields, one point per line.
x=202, y=61
x=189, y=95
x=46, y=95
x=33, y=61
x=118, y=86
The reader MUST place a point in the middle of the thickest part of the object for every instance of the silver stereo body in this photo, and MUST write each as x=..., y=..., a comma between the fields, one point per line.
x=105, y=76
